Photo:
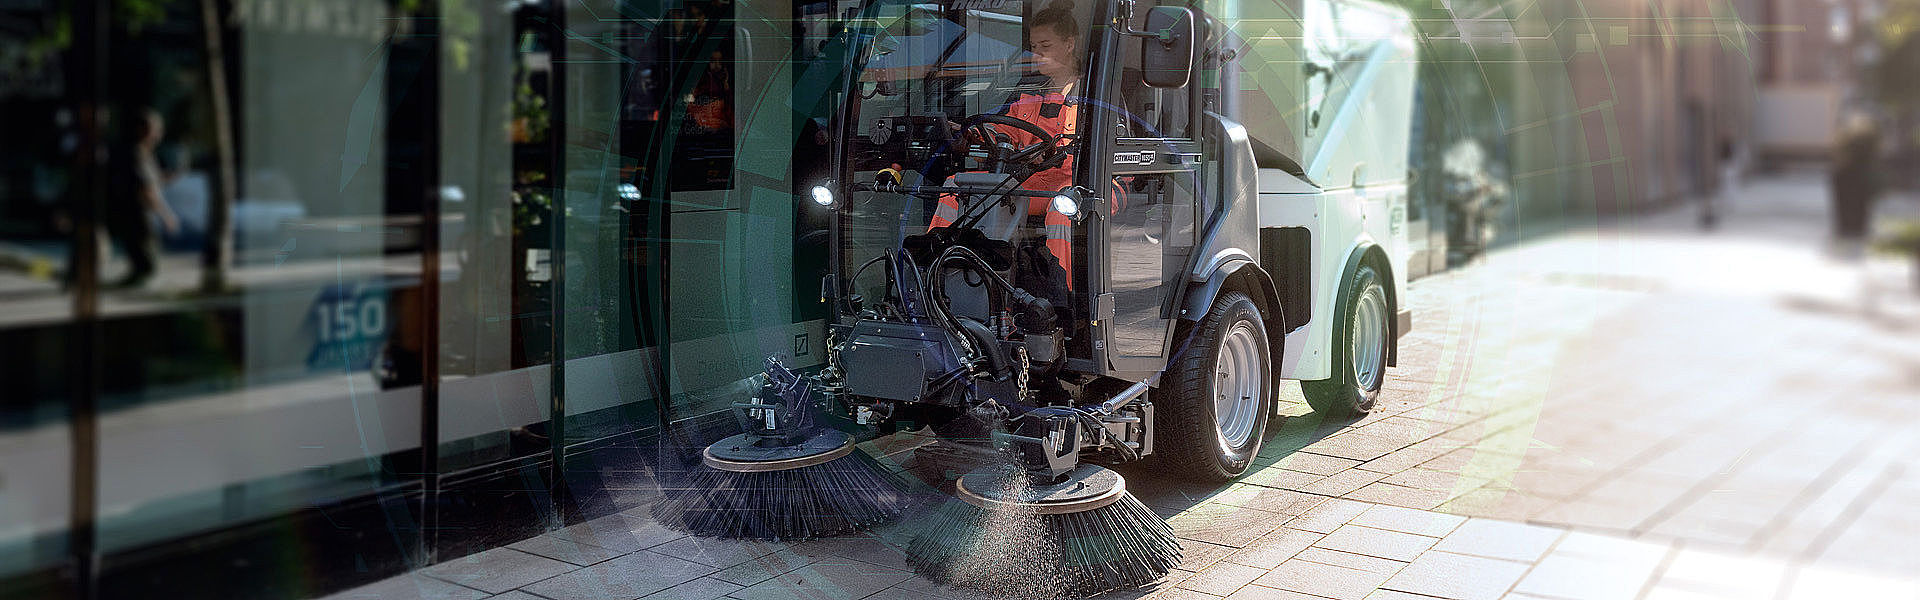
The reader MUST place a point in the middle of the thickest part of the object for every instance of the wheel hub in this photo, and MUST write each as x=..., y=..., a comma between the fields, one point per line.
x=1369, y=338
x=1238, y=383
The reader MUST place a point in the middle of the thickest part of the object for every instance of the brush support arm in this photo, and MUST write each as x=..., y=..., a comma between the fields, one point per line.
x=1049, y=441
x=781, y=412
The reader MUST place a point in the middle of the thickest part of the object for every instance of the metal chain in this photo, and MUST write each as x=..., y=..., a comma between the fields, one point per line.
x=1021, y=379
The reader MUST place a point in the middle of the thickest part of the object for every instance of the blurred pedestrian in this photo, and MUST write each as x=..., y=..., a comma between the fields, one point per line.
x=1855, y=182
x=1730, y=168
x=133, y=198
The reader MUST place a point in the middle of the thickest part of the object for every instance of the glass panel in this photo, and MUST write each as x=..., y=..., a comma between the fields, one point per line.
x=611, y=252
x=1150, y=236
x=288, y=378
x=37, y=233
x=496, y=234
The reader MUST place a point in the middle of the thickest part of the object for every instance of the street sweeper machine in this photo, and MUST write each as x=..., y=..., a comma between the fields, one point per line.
x=1078, y=233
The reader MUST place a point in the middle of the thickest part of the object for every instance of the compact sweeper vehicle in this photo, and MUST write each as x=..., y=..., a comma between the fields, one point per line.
x=1073, y=234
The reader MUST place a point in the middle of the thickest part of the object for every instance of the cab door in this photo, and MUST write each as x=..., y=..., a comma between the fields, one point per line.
x=1152, y=180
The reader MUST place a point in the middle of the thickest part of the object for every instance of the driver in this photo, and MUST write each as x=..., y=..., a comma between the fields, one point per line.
x=1053, y=36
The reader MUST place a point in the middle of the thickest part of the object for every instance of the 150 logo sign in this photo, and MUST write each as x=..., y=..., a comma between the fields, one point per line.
x=349, y=322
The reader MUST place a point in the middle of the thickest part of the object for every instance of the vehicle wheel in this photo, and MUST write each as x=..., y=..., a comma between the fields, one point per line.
x=1359, y=350
x=1218, y=394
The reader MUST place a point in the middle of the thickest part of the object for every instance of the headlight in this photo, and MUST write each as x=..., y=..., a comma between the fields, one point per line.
x=1066, y=205
x=822, y=196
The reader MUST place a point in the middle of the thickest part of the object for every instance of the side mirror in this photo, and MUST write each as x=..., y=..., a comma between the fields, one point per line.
x=1166, y=47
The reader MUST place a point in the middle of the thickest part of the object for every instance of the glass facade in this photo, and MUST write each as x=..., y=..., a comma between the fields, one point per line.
x=296, y=294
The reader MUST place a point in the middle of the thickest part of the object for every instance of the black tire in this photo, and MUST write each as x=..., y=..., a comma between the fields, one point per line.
x=1189, y=442
x=1345, y=394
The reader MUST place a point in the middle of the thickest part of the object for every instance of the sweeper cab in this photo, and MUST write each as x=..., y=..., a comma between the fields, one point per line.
x=1115, y=266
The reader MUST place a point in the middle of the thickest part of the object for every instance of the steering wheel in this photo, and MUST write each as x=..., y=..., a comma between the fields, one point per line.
x=1041, y=149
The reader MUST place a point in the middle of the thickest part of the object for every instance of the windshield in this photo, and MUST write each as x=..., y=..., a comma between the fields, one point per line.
x=926, y=72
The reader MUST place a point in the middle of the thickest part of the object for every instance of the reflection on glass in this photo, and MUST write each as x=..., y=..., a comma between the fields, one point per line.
x=38, y=185
x=495, y=233
x=288, y=379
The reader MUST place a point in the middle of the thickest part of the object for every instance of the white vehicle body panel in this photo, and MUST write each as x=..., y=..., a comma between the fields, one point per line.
x=1354, y=156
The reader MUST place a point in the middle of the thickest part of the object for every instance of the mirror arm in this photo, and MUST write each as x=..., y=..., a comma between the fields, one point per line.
x=1126, y=26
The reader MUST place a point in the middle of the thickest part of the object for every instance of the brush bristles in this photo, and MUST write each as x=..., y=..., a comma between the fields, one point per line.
x=838, y=497
x=1121, y=545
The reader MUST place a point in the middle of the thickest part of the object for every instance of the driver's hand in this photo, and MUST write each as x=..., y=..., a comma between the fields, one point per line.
x=958, y=131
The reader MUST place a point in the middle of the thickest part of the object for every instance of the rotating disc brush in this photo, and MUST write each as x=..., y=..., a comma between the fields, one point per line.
x=1080, y=536
x=785, y=478
x=822, y=486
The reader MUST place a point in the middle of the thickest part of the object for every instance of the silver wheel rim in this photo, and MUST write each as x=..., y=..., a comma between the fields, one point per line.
x=1238, y=373
x=1369, y=338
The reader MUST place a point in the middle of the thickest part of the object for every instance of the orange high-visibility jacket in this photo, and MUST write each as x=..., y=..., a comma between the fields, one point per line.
x=1055, y=113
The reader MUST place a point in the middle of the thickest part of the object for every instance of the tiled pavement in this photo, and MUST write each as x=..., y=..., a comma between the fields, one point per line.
x=1637, y=412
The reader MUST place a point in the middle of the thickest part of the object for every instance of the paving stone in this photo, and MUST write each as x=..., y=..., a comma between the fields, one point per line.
x=1286, y=502
x=1275, y=548
x=1317, y=579
x=1225, y=525
x=704, y=588
x=1402, y=428
x=1276, y=477
x=868, y=547
x=1500, y=539
x=619, y=532
x=1618, y=516
x=515, y=595
x=1260, y=592
x=1350, y=560
x=1196, y=555
x=1704, y=572
x=411, y=586
x=1328, y=516
x=1660, y=592
x=1395, y=595
x=762, y=568
x=1358, y=446
x=563, y=549
x=1344, y=482
x=1457, y=576
x=1222, y=579
x=1411, y=456
x=1317, y=464
x=920, y=587
x=498, y=570
x=1404, y=520
x=1587, y=577
x=631, y=576
x=1611, y=548
x=1396, y=495
x=1382, y=543
x=1491, y=503
x=847, y=579
x=718, y=553
x=1427, y=479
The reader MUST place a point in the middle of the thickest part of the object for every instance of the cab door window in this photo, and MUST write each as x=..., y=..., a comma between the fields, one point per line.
x=1154, y=212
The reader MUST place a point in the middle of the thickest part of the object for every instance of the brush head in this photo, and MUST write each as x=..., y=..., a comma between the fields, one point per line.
x=747, y=453
x=822, y=487
x=1086, y=488
x=1077, y=537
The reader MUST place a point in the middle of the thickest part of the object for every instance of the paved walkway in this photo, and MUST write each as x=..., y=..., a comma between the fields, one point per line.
x=1642, y=411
